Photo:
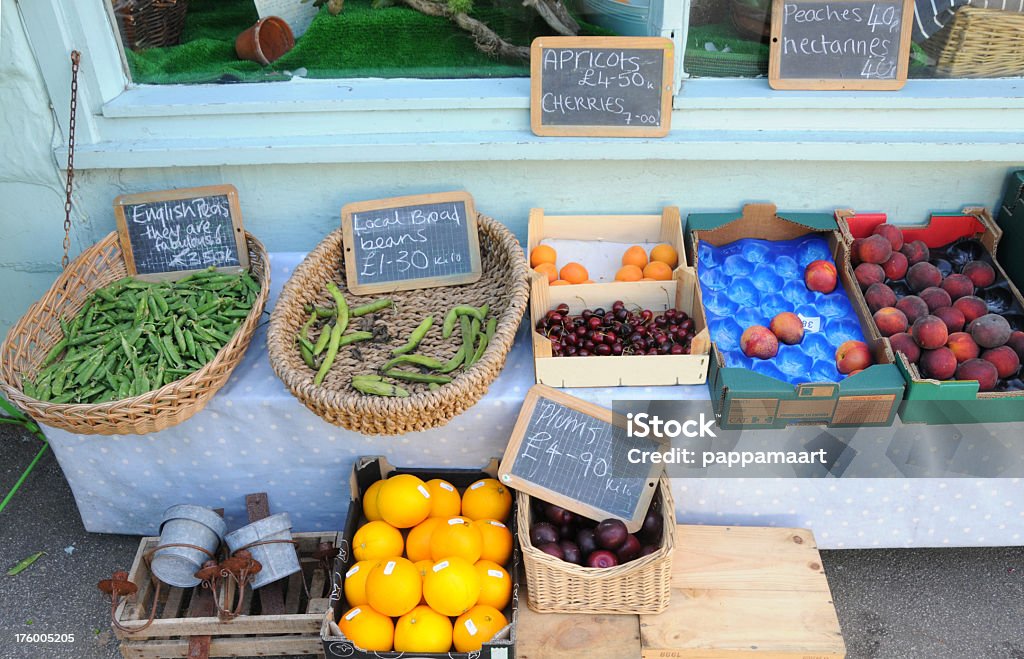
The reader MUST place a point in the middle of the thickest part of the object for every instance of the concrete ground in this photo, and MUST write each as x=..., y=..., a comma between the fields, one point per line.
x=955, y=603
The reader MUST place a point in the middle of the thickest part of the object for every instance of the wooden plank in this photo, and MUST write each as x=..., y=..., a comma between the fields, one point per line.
x=289, y=645
x=291, y=600
x=172, y=606
x=272, y=595
x=241, y=626
x=202, y=606
x=563, y=635
x=318, y=605
x=317, y=583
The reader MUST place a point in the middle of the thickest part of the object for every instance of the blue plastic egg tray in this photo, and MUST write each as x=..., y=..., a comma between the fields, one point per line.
x=749, y=281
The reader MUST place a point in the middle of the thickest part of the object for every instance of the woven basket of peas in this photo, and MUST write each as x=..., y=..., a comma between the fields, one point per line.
x=105, y=354
x=401, y=362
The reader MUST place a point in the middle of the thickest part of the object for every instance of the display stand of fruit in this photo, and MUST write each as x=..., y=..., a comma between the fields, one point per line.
x=433, y=567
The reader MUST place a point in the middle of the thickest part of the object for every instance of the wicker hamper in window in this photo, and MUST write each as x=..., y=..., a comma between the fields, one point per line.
x=150, y=23
x=979, y=43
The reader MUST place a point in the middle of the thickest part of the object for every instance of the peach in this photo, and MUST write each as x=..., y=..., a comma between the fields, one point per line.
x=912, y=307
x=935, y=298
x=905, y=343
x=821, y=276
x=892, y=233
x=982, y=371
x=915, y=251
x=939, y=364
x=963, y=346
x=958, y=286
x=869, y=273
x=878, y=296
x=972, y=307
x=929, y=332
x=953, y=317
x=1016, y=342
x=855, y=251
x=896, y=266
x=923, y=275
x=757, y=341
x=875, y=249
x=787, y=327
x=1004, y=358
x=890, y=320
x=990, y=330
x=980, y=273
x=852, y=356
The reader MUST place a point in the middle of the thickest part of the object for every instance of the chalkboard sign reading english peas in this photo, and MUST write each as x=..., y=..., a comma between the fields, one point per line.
x=410, y=242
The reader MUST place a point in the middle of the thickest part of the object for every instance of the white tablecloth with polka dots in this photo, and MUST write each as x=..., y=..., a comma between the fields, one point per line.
x=255, y=436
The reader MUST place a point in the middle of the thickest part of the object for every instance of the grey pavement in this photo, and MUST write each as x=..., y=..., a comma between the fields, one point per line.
x=918, y=604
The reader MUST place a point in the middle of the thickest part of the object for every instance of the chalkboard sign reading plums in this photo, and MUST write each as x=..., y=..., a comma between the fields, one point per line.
x=601, y=86
x=167, y=235
x=569, y=452
x=405, y=243
x=840, y=44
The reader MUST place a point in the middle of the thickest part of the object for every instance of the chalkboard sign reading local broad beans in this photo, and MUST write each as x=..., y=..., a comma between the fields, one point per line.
x=601, y=86
x=840, y=44
x=569, y=452
x=410, y=242
x=167, y=235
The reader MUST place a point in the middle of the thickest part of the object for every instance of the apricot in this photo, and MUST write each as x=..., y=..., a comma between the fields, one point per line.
x=935, y=298
x=878, y=296
x=958, y=286
x=787, y=327
x=972, y=307
x=915, y=251
x=953, y=317
x=821, y=276
x=990, y=330
x=980, y=273
x=963, y=346
x=930, y=332
x=923, y=275
x=938, y=364
x=869, y=273
x=1004, y=358
x=896, y=266
x=912, y=307
x=982, y=371
x=875, y=249
x=852, y=356
x=890, y=320
x=759, y=342
x=903, y=342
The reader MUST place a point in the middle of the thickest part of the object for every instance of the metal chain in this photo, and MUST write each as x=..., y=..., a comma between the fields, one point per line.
x=76, y=57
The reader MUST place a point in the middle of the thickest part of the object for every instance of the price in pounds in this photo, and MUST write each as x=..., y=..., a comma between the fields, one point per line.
x=644, y=119
x=594, y=78
x=381, y=262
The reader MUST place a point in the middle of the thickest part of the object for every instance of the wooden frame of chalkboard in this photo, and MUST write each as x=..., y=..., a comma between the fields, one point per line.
x=853, y=12
x=124, y=233
x=471, y=272
x=662, y=122
x=507, y=471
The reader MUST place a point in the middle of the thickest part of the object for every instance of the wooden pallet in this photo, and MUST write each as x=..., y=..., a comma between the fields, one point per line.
x=188, y=612
x=736, y=592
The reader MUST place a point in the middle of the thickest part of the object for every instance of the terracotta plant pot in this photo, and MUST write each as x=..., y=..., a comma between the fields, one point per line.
x=266, y=41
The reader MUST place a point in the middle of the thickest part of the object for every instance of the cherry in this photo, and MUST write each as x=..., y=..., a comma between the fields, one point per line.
x=603, y=350
x=617, y=348
x=678, y=350
x=562, y=308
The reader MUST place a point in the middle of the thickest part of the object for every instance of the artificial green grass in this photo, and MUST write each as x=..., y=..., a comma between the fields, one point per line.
x=391, y=42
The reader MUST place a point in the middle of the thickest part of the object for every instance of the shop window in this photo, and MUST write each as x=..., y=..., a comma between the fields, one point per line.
x=951, y=39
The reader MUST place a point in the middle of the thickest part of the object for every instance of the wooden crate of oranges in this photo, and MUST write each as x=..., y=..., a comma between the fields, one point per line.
x=428, y=565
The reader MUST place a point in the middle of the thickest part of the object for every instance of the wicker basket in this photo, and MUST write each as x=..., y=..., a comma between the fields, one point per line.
x=979, y=43
x=150, y=23
x=640, y=586
x=38, y=330
x=504, y=286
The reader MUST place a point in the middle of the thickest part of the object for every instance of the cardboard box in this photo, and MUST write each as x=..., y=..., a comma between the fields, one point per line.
x=934, y=401
x=745, y=399
x=366, y=472
x=678, y=293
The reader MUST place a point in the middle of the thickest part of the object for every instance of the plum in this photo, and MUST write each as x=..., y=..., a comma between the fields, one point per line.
x=611, y=534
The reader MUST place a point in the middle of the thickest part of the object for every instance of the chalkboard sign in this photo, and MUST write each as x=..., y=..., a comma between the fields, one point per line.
x=601, y=86
x=840, y=44
x=568, y=452
x=167, y=235
x=410, y=242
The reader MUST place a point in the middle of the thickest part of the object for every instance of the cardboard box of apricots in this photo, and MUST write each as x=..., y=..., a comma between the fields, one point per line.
x=367, y=471
x=953, y=333
x=745, y=399
x=599, y=242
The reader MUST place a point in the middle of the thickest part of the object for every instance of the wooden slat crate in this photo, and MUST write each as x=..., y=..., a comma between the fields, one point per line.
x=180, y=614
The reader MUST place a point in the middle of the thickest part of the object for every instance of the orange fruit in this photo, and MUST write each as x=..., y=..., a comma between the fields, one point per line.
x=423, y=567
x=495, y=584
x=368, y=629
x=548, y=269
x=589, y=281
x=376, y=540
x=658, y=270
x=355, y=581
x=403, y=501
x=487, y=499
x=452, y=586
x=370, y=502
x=394, y=587
x=456, y=536
x=444, y=498
x=423, y=630
x=543, y=254
x=497, y=541
x=560, y=282
x=417, y=543
x=476, y=627
x=648, y=279
x=635, y=255
x=665, y=254
x=629, y=273
x=574, y=273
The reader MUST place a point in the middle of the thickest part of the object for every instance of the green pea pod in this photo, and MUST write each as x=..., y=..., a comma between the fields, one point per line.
x=492, y=325
x=307, y=356
x=179, y=337
x=416, y=336
x=454, y=362
x=481, y=347
x=55, y=352
x=368, y=378
x=467, y=340
x=372, y=307
x=418, y=360
x=24, y=563
x=306, y=343
x=449, y=323
x=399, y=374
x=340, y=304
x=355, y=337
x=334, y=342
x=321, y=341
x=376, y=388
x=433, y=386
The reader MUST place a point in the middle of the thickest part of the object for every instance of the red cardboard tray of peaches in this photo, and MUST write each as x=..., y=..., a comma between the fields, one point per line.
x=950, y=308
